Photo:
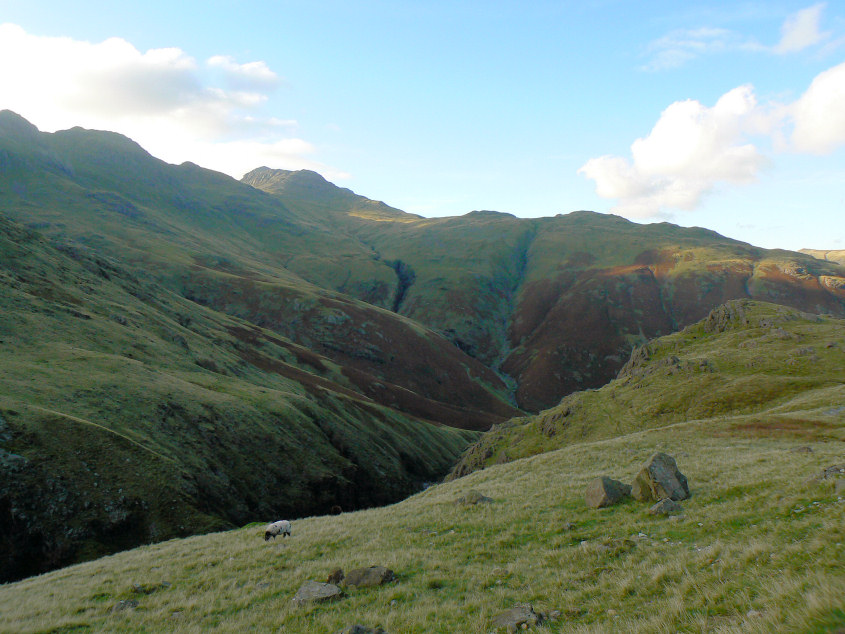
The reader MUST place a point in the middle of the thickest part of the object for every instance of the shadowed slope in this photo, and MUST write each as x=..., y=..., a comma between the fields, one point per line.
x=780, y=368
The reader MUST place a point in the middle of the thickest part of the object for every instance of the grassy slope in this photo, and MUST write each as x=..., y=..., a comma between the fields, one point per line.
x=130, y=414
x=239, y=250
x=781, y=368
x=558, y=303
x=756, y=550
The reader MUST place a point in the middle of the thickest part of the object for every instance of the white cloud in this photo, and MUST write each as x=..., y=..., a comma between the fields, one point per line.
x=819, y=115
x=160, y=98
x=682, y=45
x=690, y=150
x=251, y=75
x=801, y=30
x=693, y=149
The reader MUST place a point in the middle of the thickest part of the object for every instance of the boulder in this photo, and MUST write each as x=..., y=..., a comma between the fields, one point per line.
x=336, y=576
x=666, y=506
x=473, y=497
x=316, y=592
x=368, y=577
x=604, y=491
x=660, y=478
x=520, y=616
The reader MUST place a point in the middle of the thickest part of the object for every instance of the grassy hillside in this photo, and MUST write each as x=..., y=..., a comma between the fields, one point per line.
x=757, y=549
x=129, y=414
x=782, y=369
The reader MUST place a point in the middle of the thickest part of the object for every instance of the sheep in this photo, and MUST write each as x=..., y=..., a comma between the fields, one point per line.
x=281, y=527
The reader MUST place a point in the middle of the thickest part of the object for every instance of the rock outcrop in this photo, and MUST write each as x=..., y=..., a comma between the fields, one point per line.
x=660, y=478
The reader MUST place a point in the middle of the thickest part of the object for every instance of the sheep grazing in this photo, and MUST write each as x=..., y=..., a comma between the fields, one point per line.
x=282, y=527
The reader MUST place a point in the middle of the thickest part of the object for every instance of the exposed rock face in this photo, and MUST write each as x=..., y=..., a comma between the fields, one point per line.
x=316, y=592
x=368, y=577
x=604, y=491
x=660, y=478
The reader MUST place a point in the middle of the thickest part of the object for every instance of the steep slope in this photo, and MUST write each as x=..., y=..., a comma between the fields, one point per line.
x=241, y=251
x=779, y=368
x=129, y=414
x=556, y=304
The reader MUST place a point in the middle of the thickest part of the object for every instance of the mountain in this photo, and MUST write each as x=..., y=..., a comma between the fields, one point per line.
x=756, y=548
x=185, y=352
x=832, y=256
x=777, y=370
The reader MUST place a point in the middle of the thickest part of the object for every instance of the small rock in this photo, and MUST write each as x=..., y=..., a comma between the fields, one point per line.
x=522, y=615
x=361, y=629
x=666, y=506
x=802, y=449
x=473, y=497
x=336, y=576
x=368, y=577
x=316, y=592
x=604, y=491
x=128, y=604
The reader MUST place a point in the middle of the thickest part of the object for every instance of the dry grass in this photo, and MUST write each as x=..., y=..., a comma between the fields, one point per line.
x=757, y=550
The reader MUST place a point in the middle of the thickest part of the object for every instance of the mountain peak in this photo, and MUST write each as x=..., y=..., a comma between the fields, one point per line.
x=14, y=126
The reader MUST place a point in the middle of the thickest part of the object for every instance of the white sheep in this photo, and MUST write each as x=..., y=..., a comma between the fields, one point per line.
x=281, y=527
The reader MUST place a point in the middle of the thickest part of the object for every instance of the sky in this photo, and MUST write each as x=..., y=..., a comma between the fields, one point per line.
x=724, y=115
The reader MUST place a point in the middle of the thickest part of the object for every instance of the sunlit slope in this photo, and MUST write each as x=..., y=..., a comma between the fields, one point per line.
x=243, y=252
x=129, y=414
x=555, y=303
x=757, y=549
x=781, y=369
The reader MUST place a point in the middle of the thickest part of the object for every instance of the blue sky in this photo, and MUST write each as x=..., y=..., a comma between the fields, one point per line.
x=725, y=115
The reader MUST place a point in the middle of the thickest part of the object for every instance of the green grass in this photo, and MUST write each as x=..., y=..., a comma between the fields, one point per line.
x=756, y=550
x=779, y=374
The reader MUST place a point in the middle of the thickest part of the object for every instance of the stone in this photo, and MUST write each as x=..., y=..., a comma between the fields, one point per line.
x=316, y=592
x=361, y=629
x=128, y=604
x=521, y=615
x=660, y=478
x=473, y=497
x=666, y=506
x=828, y=473
x=336, y=576
x=368, y=577
x=604, y=491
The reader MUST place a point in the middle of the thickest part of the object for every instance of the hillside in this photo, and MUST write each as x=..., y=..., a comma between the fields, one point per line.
x=833, y=256
x=185, y=352
x=758, y=548
x=556, y=304
x=781, y=370
x=129, y=414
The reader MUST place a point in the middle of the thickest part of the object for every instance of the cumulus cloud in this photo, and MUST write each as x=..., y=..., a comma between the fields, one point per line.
x=693, y=149
x=819, y=115
x=690, y=150
x=162, y=98
x=801, y=30
x=256, y=75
